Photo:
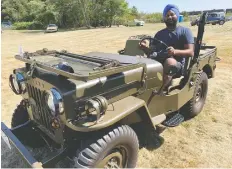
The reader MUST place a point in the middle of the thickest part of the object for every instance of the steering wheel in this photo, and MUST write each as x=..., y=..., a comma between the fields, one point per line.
x=161, y=55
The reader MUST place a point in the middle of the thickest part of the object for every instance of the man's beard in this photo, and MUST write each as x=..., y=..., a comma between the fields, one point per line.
x=171, y=23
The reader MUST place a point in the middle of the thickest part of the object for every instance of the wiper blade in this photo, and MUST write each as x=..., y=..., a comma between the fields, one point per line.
x=113, y=63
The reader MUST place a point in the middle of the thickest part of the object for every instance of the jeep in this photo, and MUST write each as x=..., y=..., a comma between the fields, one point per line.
x=85, y=106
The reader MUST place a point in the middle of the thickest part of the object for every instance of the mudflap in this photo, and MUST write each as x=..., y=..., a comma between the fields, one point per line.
x=12, y=138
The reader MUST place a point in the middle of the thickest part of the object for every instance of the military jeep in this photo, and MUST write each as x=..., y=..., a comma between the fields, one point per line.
x=84, y=106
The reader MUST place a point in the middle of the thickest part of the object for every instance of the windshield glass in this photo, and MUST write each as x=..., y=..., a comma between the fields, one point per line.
x=51, y=25
x=213, y=15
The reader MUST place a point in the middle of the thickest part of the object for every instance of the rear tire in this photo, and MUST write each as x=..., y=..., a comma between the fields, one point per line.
x=117, y=148
x=194, y=106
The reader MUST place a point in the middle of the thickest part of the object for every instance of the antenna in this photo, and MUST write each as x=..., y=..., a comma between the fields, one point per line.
x=21, y=52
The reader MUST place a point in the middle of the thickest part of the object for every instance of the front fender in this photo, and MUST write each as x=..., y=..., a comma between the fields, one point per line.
x=116, y=112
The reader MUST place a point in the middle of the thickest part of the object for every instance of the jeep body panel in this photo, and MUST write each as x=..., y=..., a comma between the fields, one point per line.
x=114, y=113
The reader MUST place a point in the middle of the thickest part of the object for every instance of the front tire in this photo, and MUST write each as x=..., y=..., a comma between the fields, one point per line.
x=27, y=134
x=117, y=149
x=20, y=115
x=194, y=106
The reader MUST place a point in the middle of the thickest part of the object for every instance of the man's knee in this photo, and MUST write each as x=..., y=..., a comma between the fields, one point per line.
x=170, y=61
x=170, y=67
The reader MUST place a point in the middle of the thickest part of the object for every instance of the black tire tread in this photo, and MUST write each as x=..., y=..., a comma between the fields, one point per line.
x=19, y=116
x=189, y=106
x=89, y=155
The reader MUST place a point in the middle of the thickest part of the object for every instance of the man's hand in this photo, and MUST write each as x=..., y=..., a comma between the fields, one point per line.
x=171, y=51
x=143, y=44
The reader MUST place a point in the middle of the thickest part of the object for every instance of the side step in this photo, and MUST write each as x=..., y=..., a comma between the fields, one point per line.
x=173, y=119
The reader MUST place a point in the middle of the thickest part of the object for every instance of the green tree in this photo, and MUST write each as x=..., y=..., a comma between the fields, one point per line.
x=134, y=11
x=73, y=13
x=15, y=9
x=185, y=15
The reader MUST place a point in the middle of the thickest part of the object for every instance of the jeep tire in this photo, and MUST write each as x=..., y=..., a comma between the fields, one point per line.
x=118, y=149
x=196, y=104
x=28, y=135
x=20, y=115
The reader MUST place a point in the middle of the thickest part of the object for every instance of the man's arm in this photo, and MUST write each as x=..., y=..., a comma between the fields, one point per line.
x=187, y=52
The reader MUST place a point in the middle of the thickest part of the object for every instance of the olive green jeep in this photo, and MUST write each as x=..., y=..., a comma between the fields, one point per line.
x=84, y=106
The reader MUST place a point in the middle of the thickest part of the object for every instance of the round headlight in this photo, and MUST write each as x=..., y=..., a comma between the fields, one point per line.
x=21, y=80
x=17, y=82
x=55, y=102
x=19, y=77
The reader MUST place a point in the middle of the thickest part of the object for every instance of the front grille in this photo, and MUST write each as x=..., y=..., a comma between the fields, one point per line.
x=40, y=110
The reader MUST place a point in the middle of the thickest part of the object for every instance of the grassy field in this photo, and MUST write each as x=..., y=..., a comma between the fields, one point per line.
x=204, y=141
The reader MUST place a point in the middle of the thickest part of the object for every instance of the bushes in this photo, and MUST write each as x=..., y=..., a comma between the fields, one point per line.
x=22, y=25
x=28, y=25
x=36, y=25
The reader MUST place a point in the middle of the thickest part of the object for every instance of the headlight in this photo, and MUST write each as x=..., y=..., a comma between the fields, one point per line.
x=21, y=80
x=96, y=106
x=17, y=82
x=55, y=102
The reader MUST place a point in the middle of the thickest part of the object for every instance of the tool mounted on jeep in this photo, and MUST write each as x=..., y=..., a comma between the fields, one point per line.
x=198, y=43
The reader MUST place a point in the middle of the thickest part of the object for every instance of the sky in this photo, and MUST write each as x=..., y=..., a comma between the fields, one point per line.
x=151, y=6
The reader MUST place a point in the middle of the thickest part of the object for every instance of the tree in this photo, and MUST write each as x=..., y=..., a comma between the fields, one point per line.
x=185, y=15
x=73, y=13
x=113, y=8
x=134, y=11
x=15, y=9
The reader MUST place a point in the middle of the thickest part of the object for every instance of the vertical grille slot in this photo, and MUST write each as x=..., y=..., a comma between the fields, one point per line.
x=41, y=112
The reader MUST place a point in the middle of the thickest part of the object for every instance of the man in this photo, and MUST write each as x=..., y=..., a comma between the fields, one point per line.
x=180, y=42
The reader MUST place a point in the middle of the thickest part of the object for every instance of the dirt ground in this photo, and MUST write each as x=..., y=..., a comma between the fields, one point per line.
x=204, y=141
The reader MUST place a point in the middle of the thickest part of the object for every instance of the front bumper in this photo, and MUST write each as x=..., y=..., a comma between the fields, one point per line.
x=9, y=136
x=12, y=141
x=51, y=30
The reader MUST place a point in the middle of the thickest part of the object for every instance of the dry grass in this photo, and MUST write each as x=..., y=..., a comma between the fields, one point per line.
x=201, y=142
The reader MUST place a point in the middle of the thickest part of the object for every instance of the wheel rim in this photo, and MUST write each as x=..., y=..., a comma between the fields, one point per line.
x=200, y=96
x=199, y=93
x=117, y=158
